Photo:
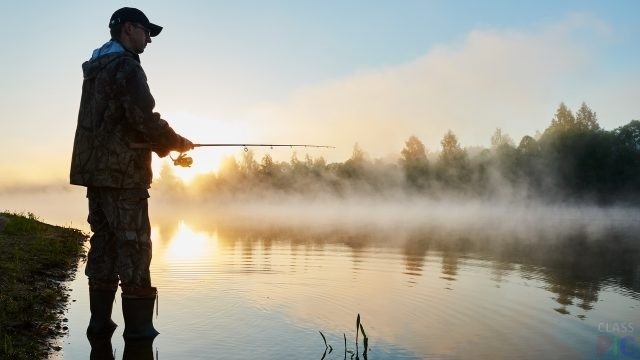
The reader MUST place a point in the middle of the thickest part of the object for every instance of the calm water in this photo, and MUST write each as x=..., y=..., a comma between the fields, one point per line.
x=542, y=286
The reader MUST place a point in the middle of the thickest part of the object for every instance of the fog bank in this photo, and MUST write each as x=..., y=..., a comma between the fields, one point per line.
x=393, y=218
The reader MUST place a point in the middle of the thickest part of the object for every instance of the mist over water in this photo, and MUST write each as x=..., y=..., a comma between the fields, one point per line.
x=403, y=215
x=501, y=219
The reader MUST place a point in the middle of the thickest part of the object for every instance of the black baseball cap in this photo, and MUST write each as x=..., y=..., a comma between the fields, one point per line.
x=133, y=15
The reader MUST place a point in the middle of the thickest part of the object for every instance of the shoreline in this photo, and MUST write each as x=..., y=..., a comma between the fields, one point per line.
x=36, y=260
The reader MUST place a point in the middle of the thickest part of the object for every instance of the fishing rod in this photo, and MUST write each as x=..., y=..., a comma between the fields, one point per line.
x=247, y=146
x=186, y=161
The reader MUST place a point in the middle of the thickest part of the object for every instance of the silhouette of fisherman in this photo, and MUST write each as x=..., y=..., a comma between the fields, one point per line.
x=116, y=110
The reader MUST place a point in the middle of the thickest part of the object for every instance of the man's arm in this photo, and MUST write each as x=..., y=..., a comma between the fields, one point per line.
x=138, y=105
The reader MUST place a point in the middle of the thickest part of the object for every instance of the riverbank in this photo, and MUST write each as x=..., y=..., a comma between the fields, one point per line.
x=35, y=261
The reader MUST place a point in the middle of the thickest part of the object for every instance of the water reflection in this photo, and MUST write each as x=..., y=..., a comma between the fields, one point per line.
x=449, y=265
x=500, y=270
x=415, y=250
x=575, y=268
x=102, y=349
x=138, y=350
x=433, y=279
x=187, y=245
x=262, y=288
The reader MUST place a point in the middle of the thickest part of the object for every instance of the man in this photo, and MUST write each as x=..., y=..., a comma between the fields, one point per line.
x=116, y=111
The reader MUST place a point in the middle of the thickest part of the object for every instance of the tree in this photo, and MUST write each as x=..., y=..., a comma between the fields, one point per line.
x=563, y=119
x=414, y=162
x=577, y=154
x=629, y=135
x=318, y=166
x=267, y=167
x=308, y=161
x=586, y=119
x=319, y=163
x=528, y=161
x=249, y=166
x=451, y=150
x=355, y=166
x=358, y=155
x=528, y=146
x=453, y=167
x=627, y=162
x=414, y=151
x=299, y=169
x=499, y=138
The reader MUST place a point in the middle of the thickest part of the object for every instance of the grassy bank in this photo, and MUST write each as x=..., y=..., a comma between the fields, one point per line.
x=35, y=258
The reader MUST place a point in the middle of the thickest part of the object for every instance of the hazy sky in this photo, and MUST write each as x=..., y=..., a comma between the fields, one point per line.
x=325, y=72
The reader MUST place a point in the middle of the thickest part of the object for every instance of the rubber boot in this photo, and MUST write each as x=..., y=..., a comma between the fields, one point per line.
x=101, y=304
x=138, y=350
x=137, y=310
x=101, y=349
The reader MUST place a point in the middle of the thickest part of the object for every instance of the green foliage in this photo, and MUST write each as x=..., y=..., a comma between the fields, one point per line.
x=21, y=224
x=629, y=135
x=528, y=147
x=586, y=119
x=355, y=167
x=451, y=150
x=248, y=166
x=507, y=160
x=414, y=162
x=452, y=168
x=563, y=120
x=34, y=258
x=584, y=160
x=414, y=152
x=499, y=139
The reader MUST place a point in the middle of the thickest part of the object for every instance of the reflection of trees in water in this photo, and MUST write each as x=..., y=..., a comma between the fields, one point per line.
x=415, y=251
x=357, y=244
x=267, y=244
x=450, y=248
x=247, y=254
x=500, y=270
x=449, y=265
x=575, y=267
x=451, y=251
x=576, y=270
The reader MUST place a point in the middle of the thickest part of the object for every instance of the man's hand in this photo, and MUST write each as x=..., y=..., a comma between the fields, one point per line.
x=184, y=145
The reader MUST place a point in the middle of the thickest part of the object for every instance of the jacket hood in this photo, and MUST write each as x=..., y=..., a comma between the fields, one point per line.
x=102, y=56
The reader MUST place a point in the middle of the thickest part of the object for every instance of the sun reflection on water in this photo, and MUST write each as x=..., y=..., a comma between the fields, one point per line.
x=188, y=245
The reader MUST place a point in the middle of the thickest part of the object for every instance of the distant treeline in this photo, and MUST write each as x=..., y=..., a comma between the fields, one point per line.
x=573, y=159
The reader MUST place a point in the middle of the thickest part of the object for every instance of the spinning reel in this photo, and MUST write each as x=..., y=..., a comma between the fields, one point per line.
x=182, y=160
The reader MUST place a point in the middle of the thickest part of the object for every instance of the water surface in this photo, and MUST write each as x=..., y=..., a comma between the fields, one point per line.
x=554, y=284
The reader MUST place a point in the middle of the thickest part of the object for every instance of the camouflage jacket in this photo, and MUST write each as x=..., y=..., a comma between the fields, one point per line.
x=116, y=110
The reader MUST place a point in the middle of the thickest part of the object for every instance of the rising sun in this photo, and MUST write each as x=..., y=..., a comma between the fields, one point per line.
x=204, y=162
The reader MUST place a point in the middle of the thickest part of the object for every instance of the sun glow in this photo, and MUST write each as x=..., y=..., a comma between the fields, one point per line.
x=202, y=164
x=205, y=161
x=201, y=128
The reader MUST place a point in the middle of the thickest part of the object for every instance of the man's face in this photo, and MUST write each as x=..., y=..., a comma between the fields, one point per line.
x=139, y=36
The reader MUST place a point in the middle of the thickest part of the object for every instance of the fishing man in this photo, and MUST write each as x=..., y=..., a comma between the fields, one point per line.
x=116, y=110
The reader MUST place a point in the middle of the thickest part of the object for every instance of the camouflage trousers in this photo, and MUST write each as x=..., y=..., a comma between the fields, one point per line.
x=121, y=241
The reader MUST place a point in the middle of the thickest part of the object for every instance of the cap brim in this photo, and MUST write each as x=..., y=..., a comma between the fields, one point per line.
x=154, y=29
